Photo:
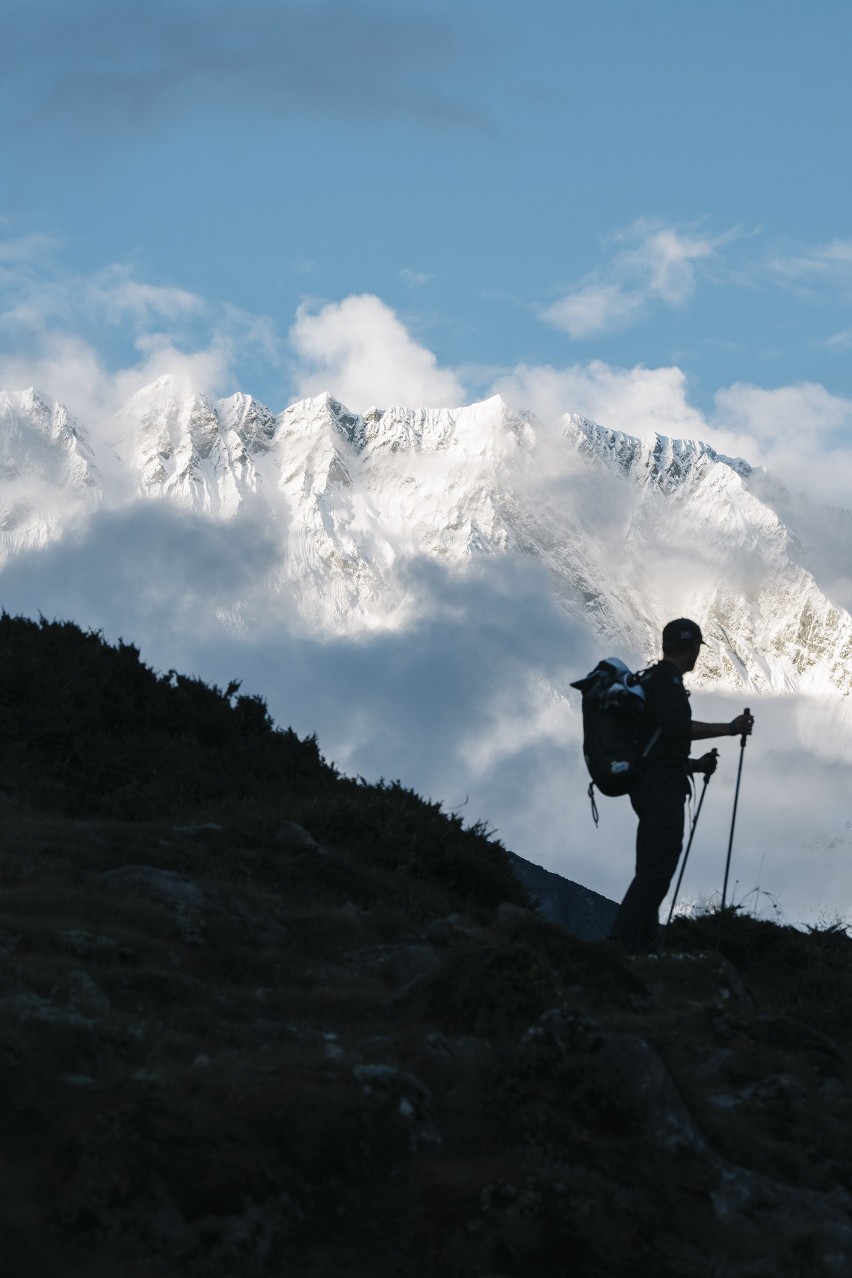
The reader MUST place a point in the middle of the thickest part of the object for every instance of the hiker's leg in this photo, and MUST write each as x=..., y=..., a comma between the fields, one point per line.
x=658, y=801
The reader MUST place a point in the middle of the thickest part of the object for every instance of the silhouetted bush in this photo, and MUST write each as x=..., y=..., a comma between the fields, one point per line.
x=88, y=730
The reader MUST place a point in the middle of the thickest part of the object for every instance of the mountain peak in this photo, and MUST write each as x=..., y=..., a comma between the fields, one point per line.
x=657, y=460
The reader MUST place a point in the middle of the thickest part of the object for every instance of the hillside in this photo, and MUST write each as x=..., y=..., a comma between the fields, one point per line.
x=257, y=1018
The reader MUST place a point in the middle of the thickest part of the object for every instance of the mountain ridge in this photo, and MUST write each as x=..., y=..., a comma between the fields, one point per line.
x=629, y=529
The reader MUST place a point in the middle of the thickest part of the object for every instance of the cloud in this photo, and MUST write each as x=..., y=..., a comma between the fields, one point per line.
x=639, y=400
x=594, y=308
x=461, y=704
x=416, y=279
x=73, y=371
x=821, y=263
x=118, y=295
x=800, y=432
x=360, y=351
x=91, y=341
x=38, y=290
x=108, y=68
x=659, y=267
x=17, y=250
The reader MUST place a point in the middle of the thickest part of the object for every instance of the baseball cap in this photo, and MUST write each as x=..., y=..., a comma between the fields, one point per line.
x=681, y=633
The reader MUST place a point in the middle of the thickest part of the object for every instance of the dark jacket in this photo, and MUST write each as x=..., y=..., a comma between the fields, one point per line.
x=666, y=708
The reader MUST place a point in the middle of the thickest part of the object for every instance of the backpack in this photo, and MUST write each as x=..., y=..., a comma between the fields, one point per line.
x=613, y=706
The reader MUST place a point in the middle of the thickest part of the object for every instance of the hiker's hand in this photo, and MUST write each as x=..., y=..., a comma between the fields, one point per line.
x=742, y=725
x=706, y=764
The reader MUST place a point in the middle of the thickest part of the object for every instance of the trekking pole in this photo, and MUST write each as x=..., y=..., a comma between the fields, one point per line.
x=734, y=817
x=707, y=776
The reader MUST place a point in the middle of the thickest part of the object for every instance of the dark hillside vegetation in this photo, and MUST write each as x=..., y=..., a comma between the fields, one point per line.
x=257, y=1018
x=88, y=731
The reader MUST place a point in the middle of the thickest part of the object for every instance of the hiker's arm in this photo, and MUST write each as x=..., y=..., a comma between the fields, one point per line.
x=739, y=727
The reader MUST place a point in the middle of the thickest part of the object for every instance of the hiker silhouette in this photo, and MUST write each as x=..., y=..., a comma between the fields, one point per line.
x=658, y=796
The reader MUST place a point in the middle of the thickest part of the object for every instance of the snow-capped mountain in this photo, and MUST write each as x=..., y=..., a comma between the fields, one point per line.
x=47, y=471
x=632, y=531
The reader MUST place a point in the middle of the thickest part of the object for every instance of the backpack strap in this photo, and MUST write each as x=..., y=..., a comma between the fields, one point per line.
x=639, y=676
x=591, y=793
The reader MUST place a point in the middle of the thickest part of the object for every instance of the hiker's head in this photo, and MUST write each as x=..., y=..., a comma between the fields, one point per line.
x=682, y=642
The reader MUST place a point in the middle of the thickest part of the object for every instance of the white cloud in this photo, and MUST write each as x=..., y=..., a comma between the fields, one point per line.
x=39, y=291
x=659, y=267
x=637, y=400
x=71, y=370
x=118, y=295
x=832, y=259
x=594, y=308
x=16, y=250
x=360, y=351
x=415, y=278
x=800, y=432
x=207, y=369
x=91, y=341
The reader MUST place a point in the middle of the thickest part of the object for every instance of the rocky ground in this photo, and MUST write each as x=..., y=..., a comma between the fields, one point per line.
x=259, y=1019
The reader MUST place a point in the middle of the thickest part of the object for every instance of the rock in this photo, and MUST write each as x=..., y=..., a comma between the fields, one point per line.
x=179, y=894
x=86, y=996
x=567, y=1029
x=30, y=1006
x=89, y=945
x=159, y=885
x=795, y=1223
x=297, y=839
x=787, y=1033
x=510, y=916
x=658, y=1106
x=254, y=924
x=402, y=964
x=409, y=1100
x=735, y=987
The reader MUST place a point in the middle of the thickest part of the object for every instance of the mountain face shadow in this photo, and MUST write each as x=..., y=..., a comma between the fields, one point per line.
x=259, y=1018
x=584, y=913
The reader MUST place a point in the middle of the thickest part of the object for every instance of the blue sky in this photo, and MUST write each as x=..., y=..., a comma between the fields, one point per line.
x=636, y=211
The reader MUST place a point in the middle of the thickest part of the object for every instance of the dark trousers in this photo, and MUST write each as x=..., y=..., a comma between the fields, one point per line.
x=658, y=801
